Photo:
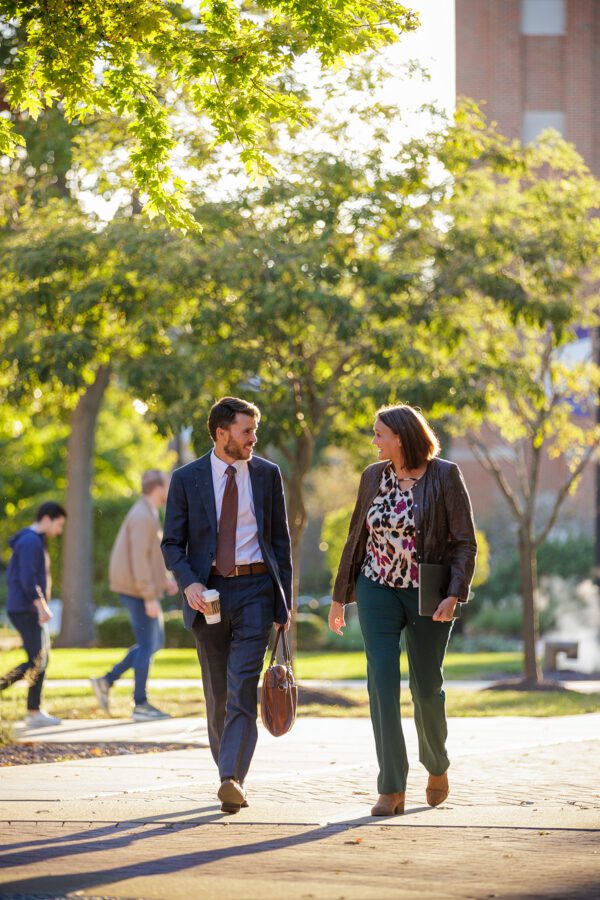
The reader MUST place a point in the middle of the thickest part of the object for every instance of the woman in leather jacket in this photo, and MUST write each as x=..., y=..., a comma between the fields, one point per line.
x=411, y=507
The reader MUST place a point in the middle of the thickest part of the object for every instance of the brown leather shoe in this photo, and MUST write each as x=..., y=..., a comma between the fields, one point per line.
x=232, y=796
x=389, y=805
x=437, y=789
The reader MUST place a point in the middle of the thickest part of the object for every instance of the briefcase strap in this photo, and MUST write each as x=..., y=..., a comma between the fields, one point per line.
x=287, y=658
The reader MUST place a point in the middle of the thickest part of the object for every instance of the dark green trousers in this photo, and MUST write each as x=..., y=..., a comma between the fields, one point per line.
x=384, y=613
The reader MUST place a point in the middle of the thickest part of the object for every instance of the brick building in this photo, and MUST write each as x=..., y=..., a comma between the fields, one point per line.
x=536, y=64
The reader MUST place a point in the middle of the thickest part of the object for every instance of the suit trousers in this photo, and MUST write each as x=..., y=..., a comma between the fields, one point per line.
x=231, y=654
x=385, y=612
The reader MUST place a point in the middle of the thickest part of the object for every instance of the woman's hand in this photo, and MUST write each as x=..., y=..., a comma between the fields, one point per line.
x=337, y=619
x=445, y=611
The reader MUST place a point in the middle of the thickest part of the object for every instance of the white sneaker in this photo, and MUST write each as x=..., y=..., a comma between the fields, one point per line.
x=40, y=719
x=101, y=689
x=145, y=712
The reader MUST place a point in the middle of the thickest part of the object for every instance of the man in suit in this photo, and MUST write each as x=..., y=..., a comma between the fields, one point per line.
x=226, y=529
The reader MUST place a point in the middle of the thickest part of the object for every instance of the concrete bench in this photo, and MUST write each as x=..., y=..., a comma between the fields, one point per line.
x=553, y=648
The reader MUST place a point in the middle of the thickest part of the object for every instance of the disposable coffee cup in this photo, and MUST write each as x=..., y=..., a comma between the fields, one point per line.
x=212, y=613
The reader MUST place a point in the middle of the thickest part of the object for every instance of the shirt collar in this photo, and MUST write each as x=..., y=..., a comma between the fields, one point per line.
x=219, y=467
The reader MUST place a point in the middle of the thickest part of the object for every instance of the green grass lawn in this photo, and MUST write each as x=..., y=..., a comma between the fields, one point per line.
x=77, y=663
x=73, y=703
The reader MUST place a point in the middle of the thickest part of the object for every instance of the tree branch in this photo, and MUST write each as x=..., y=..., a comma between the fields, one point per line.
x=562, y=495
x=483, y=455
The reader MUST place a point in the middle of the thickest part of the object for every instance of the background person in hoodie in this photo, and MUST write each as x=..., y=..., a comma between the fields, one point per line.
x=29, y=588
x=137, y=574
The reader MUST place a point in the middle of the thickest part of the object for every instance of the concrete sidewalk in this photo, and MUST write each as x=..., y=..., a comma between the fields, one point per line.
x=523, y=818
x=585, y=686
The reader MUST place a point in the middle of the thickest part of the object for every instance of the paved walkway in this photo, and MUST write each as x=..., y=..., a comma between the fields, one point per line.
x=523, y=819
x=585, y=686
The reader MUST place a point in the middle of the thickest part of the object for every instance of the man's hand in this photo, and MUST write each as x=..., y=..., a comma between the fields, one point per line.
x=337, y=618
x=152, y=608
x=285, y=625
x=43, y=611
x=445, y=611
x=194, y=594
x=171, y=587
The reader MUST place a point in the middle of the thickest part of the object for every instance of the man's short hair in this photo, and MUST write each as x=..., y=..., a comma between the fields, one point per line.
x=51, y=509
x=224, y=411
x=151, y=479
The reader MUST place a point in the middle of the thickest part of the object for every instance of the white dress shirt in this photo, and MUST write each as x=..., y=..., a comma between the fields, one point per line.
x=247, y=548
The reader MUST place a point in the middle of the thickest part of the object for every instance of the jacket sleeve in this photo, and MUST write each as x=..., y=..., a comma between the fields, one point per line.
x=280, y=538
x=175, y=534
x=32, y=568
x=461, y=534
x=143, y=531
x=342, y=579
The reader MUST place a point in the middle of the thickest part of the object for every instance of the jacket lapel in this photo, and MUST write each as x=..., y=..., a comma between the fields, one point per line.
x=371, y=488
x=258, y=493
x=206, y=491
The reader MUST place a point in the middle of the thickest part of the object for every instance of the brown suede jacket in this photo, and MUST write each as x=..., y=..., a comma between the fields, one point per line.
x=443, y=521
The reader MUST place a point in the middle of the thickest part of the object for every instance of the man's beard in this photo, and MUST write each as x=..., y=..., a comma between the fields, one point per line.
x=233, y=450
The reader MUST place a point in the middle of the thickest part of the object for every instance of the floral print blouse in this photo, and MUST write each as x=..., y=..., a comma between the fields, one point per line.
x=391, y=550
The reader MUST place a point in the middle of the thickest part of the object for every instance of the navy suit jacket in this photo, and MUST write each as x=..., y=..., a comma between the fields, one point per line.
x=189, y=543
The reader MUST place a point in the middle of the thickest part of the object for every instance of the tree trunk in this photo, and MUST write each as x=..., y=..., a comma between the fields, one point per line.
x=529, y=587
x=297, y=517
x=297, y=522
x=77, y=629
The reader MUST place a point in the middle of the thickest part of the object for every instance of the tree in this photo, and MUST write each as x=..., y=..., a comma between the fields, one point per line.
x=232, y=63
x=518, y=265
x=77, y=306
x=33, y=447
x=308, y=288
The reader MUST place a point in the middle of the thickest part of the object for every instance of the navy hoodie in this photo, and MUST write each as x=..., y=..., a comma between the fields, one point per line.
x=29, y=566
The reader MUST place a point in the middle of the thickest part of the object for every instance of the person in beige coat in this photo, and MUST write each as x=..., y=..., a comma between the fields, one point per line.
x=137, y=574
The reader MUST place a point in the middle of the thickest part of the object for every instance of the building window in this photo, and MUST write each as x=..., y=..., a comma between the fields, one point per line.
x=536, y=121
x=542, y=17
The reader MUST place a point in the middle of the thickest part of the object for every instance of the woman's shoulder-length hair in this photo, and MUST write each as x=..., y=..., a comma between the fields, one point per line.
x=418, y=439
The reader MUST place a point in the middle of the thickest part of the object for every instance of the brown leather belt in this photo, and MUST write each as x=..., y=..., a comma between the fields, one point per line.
x=247, y=569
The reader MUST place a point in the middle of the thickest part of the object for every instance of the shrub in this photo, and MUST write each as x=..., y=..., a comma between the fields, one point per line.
x=116, y=631
x=572, y=557
x=176, y=634
x=311, y=631
x=506, y=617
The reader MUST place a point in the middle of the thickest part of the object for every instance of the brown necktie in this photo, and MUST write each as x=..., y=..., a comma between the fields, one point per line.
x=228, y=524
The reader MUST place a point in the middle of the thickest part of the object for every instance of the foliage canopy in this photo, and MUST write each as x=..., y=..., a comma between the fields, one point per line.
x=145, y=60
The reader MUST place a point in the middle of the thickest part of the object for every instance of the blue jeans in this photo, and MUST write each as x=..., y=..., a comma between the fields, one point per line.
x=149, y=638
x=36, y=644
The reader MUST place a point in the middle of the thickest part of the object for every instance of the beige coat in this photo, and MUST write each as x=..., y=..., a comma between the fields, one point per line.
x=136, y=564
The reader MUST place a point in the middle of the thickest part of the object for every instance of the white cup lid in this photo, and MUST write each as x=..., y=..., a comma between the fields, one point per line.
x=211, y=595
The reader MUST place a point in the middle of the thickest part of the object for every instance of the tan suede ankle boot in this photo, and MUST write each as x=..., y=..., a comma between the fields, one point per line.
x=389, y=805
x=437, y=789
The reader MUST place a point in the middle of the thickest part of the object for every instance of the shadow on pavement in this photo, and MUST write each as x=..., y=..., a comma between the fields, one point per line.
x=108, y=840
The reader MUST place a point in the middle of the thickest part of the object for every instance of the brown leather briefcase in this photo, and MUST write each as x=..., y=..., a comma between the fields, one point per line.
x=279, y=692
